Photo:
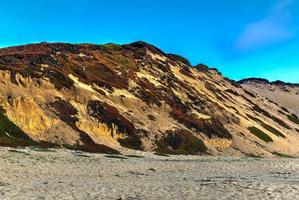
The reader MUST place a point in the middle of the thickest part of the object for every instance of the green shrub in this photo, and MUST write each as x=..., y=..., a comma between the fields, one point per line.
x=151, y=117
x=281, y=112
x=282, y=155
x=284, y=109
x=267, y=114
x=180, y=59
x=161, y=154
x=112, y=47
x=273, y=130
x=254, y=119
x=293, y=118
x=116, y=156
x=180, y=142
x=134, y=156
x=260, y=134
x=281, y=123
x=71, y=146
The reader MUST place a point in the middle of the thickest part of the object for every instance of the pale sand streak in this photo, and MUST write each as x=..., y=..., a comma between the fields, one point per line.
x=63, y=175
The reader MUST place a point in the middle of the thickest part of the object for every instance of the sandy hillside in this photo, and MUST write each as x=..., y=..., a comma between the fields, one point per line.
x=284, y=94
x=102, y=98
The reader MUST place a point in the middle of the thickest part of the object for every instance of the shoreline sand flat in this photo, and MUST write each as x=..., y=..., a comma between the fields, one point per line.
x=64, y=174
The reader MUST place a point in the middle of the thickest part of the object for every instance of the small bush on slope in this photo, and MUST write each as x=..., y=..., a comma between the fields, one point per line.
x=67, y=113
x=282, y=155
x=111, y=116
x=260, y=134
x=267, y=114
x=180, y=142
x=210, y=127
x=273, y=130
x=266, y=126
x=293, y=118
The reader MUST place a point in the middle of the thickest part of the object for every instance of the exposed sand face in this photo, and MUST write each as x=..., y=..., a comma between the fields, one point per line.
x=285, y=96
x=66, y=175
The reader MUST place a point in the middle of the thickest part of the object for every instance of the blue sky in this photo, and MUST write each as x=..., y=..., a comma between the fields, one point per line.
x=256, y=38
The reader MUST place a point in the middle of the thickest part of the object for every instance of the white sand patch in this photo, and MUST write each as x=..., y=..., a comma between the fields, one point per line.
x=153, y=80
x=80, y=84
x=200, y=115
x=123, y=92
x=43, y=66
x=155, y=56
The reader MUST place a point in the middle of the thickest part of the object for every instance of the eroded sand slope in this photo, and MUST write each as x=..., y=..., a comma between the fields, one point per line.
x=102, y=98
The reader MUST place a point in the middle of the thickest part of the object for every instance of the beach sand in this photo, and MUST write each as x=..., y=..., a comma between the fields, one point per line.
x=63, y=174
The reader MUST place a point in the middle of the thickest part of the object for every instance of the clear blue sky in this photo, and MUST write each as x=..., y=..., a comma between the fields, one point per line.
x=242, y=38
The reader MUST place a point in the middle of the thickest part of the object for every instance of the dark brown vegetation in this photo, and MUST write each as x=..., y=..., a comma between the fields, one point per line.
x=250, y=93
x=179, y=58
x=260, y=134
x=285, y=109
x=180, y=142
x=232, y=92
x=294, y=118
x=110, y=116
x=67, y=113
x=100, y=63
x=209, y=127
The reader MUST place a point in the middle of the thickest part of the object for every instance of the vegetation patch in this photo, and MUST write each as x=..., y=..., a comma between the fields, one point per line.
x=161, y=154
x=179, y=58
x=285, y=109
x=82, y=155
x=40, y=149
x=91, y=148
x=250, y=93
x=266, y=126
x=151, y=117
x=267, y=114
x=232, y=92
x=248, y=100
x=186, y=71
x=67, y=113
x=272, y=130
x=112, y=47
x=281, y=112
x=110, y=116
x=253, y=155
x=134, y=156
x=294, y=118
x=18, y=151
x=254, y=118
x=116, y=156
x=282, y=155
x=148, y=92
x=260, y=134
x=210, y=127
x=180, y=142
x=202, y=68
